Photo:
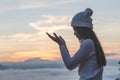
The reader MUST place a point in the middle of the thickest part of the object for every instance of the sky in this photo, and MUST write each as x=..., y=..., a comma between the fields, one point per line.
x=24, y=24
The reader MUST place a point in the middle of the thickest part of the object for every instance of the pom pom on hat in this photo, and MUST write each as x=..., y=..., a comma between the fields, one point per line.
x=88, y=12
x=83, y=19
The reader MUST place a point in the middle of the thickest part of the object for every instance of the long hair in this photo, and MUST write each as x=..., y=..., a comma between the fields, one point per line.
x=87, y=33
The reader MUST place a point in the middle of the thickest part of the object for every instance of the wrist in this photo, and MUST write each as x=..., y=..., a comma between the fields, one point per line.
x=61, y=44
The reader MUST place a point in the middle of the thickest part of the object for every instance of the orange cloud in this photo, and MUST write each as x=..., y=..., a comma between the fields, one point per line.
x=21, y=56
x=111, y=47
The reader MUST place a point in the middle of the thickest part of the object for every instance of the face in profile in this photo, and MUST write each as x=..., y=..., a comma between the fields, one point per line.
x=76, y=33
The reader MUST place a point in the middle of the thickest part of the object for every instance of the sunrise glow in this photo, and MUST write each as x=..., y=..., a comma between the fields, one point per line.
x=24, y=25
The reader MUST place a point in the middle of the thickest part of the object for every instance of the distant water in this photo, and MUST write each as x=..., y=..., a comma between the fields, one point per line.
x=111, y=72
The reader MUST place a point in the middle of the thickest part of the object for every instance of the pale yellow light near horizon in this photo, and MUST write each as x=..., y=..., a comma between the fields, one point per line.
x=53, y=54
x=22, y=56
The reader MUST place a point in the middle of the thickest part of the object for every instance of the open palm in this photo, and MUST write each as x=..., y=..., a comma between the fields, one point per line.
x=59, y=40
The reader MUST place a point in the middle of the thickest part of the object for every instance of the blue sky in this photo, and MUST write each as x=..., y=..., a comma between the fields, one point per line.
x=24, y=23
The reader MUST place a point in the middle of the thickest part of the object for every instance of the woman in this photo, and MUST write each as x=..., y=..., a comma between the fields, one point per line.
x=90, y=57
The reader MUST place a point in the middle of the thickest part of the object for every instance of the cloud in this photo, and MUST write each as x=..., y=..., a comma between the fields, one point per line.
x=51, y=23
x=32, y=63
x=111, y=72
x=23, y=51
x=28, y=4
x=36, y=63
x=112, y=56
x=38, y=74
x=19, y=46
x=46, y=24
x=116, y=56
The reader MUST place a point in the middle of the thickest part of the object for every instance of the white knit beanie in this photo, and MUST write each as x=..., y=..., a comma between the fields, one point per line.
x=83, y=19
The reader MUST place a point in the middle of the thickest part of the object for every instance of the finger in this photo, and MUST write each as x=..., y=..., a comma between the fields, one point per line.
x=49, y=35
x=55, y=35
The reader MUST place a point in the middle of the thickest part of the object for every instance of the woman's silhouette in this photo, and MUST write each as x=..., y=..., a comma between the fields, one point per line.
x=90, y=57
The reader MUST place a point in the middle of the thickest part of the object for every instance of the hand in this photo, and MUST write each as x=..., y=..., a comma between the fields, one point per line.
x=59, y=40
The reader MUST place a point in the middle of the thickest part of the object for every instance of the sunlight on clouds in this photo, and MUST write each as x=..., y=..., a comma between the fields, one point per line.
x=41, y=54
x=21, y=36
x=51, y=23
x=5, y=57
x=21, y=56
x=48, y=24
x=30, y=43
x=111, y=47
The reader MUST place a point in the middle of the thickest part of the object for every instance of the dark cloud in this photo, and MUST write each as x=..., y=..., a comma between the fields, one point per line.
x=37, y=63
x=110, y=54
x=51, y=72
x=2, y=67
x=33, y=63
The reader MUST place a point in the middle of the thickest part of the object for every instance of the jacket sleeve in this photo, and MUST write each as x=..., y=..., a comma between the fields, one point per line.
x=80, y=55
